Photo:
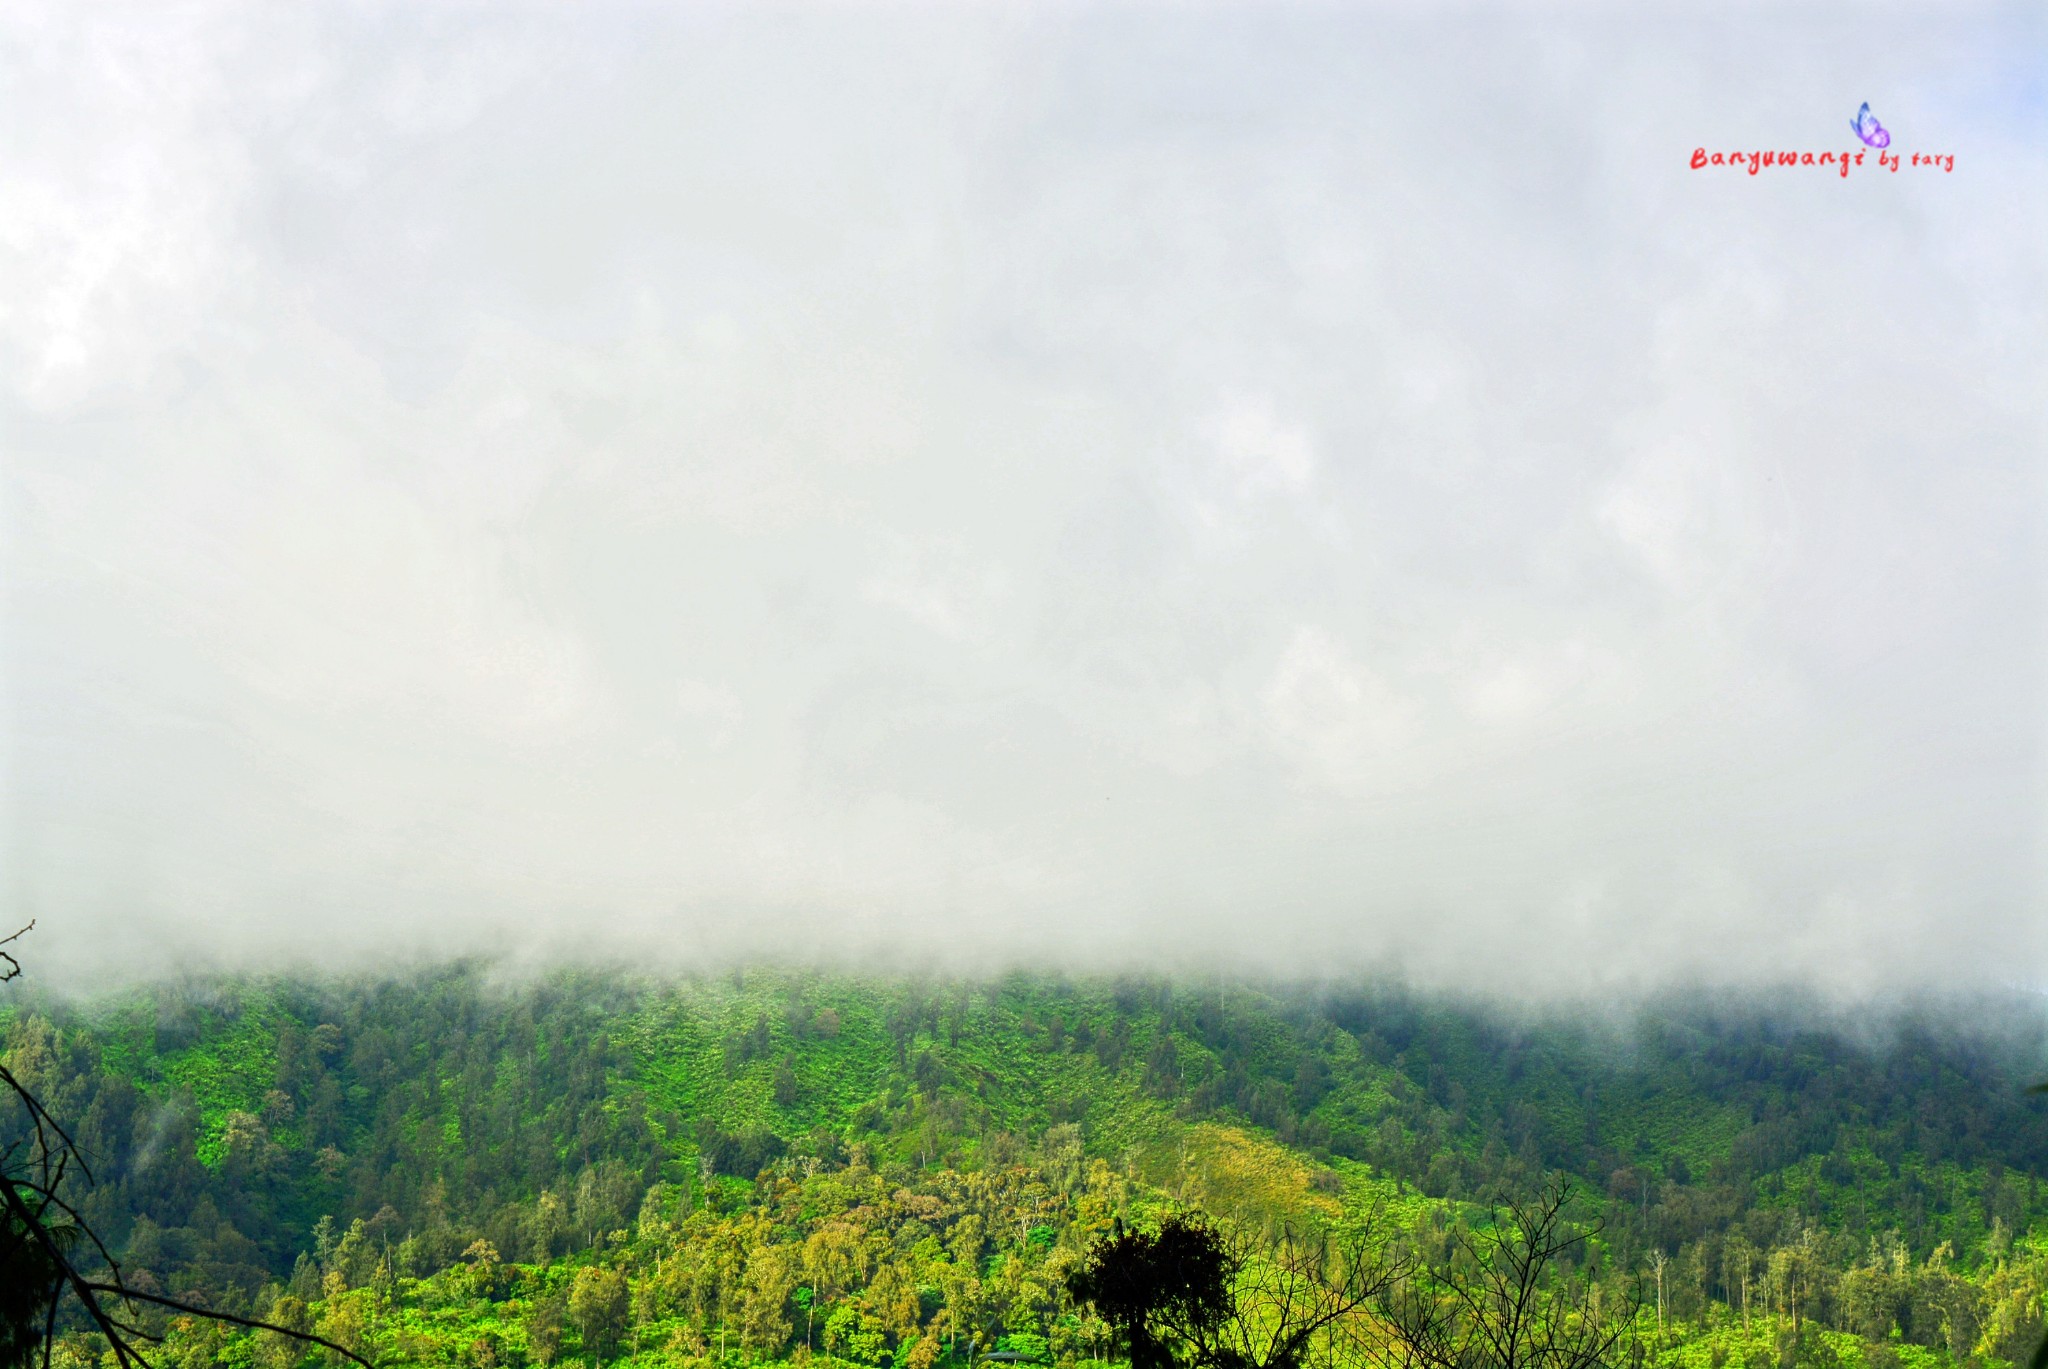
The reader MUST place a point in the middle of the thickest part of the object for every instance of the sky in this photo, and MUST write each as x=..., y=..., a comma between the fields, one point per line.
x=1300, y=491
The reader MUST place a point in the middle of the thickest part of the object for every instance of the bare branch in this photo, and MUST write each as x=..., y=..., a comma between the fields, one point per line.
x=1514, y=1307
x=13, y=965
x=129, y=1293
x=29, y=1202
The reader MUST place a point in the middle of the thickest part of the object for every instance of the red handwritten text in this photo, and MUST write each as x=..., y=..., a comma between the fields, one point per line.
x=1838, y=162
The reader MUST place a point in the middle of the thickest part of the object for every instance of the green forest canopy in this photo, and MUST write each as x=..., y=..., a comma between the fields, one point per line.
x=899, y=1172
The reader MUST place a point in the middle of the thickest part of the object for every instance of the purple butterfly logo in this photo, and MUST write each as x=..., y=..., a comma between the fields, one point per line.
x=1869, y=129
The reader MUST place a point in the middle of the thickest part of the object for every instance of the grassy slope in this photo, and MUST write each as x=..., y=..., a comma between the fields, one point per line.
x=678, y=1043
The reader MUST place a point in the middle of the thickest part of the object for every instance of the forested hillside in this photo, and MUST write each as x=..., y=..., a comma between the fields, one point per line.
x=772, y=1165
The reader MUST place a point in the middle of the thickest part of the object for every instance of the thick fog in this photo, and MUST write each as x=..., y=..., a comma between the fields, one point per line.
x=1286, y=491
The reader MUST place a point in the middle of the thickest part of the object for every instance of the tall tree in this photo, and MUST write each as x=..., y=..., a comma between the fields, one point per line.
x=2040, y=1359
x=598, y=1304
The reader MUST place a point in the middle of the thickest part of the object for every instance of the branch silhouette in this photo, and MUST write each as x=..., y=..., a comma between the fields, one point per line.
x=39, y=1230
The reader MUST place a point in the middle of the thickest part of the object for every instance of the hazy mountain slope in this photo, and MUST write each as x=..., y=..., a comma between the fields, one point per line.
x=241, y=1128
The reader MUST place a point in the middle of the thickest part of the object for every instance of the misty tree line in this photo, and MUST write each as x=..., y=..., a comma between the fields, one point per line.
x=338, y=1134
x=402, y=1125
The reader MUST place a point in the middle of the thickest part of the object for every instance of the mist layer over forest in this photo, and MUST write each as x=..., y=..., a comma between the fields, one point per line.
x=714, y=687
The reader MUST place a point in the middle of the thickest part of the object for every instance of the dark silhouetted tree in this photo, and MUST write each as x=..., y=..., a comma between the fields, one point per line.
x=1156, y=1290
x=1196, y=1295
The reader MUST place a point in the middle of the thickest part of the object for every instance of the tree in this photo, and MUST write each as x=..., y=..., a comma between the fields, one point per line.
x=279, y=1351
x=2040, y=1359
x=598, y=1304
x=831, y=1261
x=1156, y=1291
x=1192, y=1294
x=1504, y=1299
x=764, y=1300
x=49, y=1252
x=544, y=1329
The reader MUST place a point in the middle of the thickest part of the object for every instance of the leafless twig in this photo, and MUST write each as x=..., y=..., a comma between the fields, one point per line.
x=33, y=1210
x=13, y=965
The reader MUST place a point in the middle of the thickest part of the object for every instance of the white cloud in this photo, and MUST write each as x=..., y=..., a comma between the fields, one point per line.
x=1261, y=452
x=1022, y=486
x=1331, y=714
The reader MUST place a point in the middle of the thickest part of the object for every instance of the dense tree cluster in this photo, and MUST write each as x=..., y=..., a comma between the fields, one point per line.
x=833, y=1262
x=352, y=1157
